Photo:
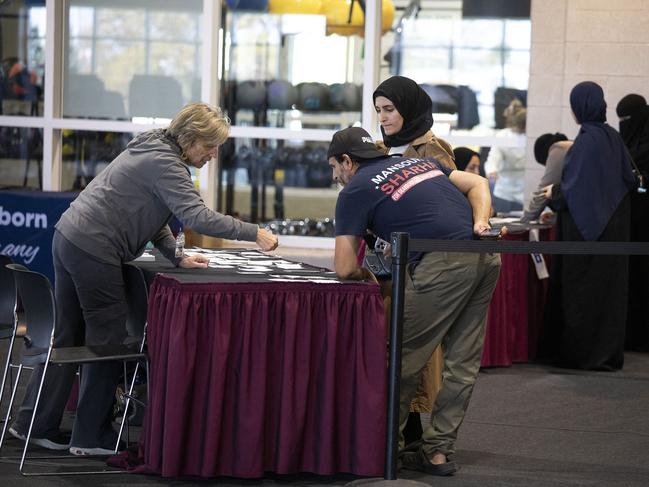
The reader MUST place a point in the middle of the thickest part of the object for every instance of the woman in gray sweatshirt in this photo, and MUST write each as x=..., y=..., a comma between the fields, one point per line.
x=109, y=223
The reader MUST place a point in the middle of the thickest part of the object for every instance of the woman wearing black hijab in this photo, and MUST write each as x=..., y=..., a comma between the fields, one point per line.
x=467, y=160
x=634, y=129
x=593, y=204
x=405, y=113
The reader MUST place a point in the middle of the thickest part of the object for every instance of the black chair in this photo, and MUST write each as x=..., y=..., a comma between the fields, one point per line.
x=37, y=297
x=137, y=296
x=8, y=318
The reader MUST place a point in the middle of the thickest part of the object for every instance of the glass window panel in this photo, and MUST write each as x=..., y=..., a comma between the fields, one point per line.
x=480, y=33
x=440, y=47
x=254, y=46
x=173, y=26
x=140, y=61
x=428, y=65
x=82, y=21
x=266, y=180
x=168, y=59
x=326, y=67
x=120, y=23
x=487, y=63
x=517, y=65
x=21, y=157
x=22, y=58
x=80, y=55
x=429, y=30
x=518, y=34
x=87, y=153
x=284, y=71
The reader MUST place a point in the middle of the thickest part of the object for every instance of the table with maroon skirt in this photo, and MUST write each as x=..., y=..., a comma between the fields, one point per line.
x=516, y=309
x=251, y=375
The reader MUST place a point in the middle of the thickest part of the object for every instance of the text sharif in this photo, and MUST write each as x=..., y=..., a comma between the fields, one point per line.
x=20, y=219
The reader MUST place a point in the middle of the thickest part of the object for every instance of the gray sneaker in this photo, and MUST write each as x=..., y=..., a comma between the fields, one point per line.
x=98, y=450
x=83, y=451
x=58, y=441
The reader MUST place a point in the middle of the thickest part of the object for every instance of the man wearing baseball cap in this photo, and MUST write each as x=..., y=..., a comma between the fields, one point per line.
x=447, y=293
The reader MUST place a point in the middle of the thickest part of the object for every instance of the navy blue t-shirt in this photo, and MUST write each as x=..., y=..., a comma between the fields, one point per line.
x=399, y=194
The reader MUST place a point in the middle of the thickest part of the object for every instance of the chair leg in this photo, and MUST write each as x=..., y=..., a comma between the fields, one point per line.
x=31, y=423
x=11, y=403
x=7, y=370
x=128, y=396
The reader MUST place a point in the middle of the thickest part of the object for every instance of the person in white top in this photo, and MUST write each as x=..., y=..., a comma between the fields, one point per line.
x=505, y=166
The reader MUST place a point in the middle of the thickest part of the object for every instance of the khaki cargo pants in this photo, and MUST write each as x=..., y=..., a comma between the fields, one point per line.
x=446, y=300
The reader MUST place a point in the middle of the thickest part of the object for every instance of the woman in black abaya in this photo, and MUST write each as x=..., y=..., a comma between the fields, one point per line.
x=634, y=129
x=594, y=205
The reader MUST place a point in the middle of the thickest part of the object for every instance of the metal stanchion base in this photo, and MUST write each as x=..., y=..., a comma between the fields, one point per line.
x=380, y=482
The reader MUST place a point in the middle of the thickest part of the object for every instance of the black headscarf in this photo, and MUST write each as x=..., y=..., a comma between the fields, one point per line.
x=462, y=157
x=543, y=144
x=597, y=172
x=634, y=128
x=412, y=103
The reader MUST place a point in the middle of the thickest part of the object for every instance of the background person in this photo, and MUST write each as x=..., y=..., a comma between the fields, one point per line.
x=109, y=223
x=593, y=204
x=467, y=160
x=446, y=295
x=505, y=166
x=550, y=151
x=634, y=129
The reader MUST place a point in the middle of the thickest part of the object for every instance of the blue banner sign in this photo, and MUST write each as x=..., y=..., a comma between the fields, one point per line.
x=27, y=220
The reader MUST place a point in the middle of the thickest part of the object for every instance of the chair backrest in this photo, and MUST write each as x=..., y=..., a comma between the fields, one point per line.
x=37, y=298
x=137, y=297
x=7, y=291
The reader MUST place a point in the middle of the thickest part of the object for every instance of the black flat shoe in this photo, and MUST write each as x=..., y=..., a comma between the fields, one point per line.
x=419, y=461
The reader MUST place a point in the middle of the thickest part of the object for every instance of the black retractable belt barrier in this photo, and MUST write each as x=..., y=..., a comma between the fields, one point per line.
x=401, y=245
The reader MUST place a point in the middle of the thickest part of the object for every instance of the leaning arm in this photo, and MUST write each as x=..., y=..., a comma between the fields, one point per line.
x=476, y=189
x=345, y=261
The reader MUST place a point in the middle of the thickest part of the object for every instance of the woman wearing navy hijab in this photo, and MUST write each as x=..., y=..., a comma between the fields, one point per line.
x=593, y=204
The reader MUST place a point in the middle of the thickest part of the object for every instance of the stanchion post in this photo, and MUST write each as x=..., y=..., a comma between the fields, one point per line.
x=399, y=242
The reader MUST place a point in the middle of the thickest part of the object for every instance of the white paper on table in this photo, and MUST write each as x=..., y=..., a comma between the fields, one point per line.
x=289, y=266
x=230, y=256
x=253, y=255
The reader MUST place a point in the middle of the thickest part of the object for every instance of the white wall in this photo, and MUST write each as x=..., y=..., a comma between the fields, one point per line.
x=606, y=41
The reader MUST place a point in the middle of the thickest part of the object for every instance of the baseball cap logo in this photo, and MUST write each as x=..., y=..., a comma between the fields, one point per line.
x=367, y=140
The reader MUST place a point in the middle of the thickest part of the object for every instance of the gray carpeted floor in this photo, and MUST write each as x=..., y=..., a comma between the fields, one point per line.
x=527, y=425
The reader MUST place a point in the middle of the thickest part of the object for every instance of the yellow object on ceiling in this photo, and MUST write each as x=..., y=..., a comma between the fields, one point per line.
x=338, y=21
x=294, y=6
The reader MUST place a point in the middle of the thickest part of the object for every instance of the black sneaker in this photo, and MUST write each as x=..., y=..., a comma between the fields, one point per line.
x=56, y=441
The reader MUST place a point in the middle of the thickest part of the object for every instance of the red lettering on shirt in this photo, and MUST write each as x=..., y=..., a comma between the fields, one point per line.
x=396, y=179
x=403, y=189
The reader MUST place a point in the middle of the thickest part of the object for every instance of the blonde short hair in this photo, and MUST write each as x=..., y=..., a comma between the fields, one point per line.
x=199, y=122
x=515, y=116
